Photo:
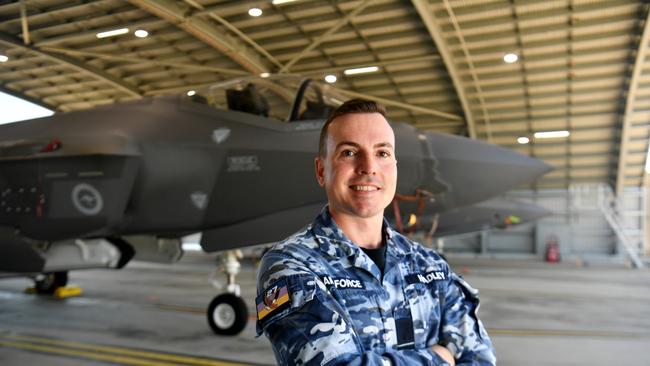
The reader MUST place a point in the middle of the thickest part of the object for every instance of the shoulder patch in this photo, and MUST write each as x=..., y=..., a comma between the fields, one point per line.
x=272, y=299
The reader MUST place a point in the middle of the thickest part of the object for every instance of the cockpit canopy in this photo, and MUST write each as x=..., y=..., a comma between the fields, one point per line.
x=285, y=98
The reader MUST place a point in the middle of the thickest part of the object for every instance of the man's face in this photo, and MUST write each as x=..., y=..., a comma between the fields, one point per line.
x=359, y=172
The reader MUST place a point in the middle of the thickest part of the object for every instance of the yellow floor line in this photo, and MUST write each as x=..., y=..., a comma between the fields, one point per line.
x=75, y=346
x=89, y=355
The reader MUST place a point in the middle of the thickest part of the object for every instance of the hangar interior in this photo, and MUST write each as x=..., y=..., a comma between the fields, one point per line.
x=562, y=81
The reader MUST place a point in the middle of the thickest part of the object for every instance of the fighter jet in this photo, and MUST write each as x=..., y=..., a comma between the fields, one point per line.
x=97, y=188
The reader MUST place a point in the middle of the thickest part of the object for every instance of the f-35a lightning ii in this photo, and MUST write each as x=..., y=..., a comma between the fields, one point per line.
x=97, y=188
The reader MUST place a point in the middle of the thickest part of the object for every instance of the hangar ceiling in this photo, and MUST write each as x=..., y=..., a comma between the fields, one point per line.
x=581, y=64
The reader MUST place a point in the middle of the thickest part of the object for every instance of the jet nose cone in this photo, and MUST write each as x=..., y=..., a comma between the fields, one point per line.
x=475, y=170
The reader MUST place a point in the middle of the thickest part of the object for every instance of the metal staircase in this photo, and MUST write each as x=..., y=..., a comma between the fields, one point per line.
x=602, y=197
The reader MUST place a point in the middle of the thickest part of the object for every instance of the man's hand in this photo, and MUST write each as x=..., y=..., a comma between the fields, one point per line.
x=444, y=354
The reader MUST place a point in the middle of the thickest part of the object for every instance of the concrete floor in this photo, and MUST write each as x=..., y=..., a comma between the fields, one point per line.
x=146, y=314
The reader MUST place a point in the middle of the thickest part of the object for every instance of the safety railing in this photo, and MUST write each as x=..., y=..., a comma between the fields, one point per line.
x=602, y=198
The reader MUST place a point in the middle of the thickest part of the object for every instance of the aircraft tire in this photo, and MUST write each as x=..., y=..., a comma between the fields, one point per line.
x=47, y=283
x=227, y=314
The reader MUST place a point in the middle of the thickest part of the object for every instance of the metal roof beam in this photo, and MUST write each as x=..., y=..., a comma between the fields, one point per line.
x=138, y=60
x=602, y=36
x=570, y=155
x=596, y=50
x=23, y=22
x=555, y=106
x=558, y=11
x=508, y=133
x=537, y=71
x=180, y=15
x=555, y=116
x=84, y=104
x=491, y=36
x=91, y=34
x=468, y=8
x=563, y=143
x=556, y=180
x=38, y=14
x=553, y=94
x=406, y=106
x=555, y=81
x=323, y=37
x=629, y=101
x=384, y=64
x=426, y=14
x=75, y=64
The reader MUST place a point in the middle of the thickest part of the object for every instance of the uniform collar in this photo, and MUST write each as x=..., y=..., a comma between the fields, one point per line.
x=335, y=243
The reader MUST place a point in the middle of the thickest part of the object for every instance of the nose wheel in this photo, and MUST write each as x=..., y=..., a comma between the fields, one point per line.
x=227, y=314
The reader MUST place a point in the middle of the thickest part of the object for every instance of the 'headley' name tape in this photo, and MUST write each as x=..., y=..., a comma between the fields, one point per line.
x=425, y=278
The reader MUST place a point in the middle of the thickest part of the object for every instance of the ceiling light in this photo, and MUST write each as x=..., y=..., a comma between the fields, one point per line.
x=551, y=134
x=330, y=78
x=278, y=2
x=361, y=70
x=4, y=58
x=190, y=93
x=523, y=140
x=254, y=12
x=111, y=33
x=265, y=75
x=141, y=33
x=510, y=58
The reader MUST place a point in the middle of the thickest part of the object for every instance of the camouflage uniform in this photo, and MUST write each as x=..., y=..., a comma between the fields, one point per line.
x=322, y=301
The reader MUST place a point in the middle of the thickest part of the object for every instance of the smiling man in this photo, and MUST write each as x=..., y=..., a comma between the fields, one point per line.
x=349, y=290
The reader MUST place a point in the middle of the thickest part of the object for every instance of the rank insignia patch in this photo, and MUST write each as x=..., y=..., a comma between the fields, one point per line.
x=271, y=299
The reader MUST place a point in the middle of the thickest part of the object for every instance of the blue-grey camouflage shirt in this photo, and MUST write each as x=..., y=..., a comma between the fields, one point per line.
x=322, y=301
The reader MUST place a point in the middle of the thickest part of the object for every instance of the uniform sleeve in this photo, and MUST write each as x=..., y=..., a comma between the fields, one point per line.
x=311, y=328
x=462, y=332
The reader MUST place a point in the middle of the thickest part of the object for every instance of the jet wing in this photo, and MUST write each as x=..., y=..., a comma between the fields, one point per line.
x=264, y=229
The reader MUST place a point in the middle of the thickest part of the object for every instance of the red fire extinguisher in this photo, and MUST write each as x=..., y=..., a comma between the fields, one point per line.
x=552, y=250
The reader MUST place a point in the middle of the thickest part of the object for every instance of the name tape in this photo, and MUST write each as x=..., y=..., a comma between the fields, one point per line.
x=426, y=277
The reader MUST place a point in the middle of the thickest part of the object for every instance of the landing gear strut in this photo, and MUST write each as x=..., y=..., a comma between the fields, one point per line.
x=227, y=313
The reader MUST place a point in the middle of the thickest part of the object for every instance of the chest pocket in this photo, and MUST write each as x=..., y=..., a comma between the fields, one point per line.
x=361, y=311
x=425, y=301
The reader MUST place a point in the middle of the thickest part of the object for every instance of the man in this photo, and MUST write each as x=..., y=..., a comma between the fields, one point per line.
x=348, y=289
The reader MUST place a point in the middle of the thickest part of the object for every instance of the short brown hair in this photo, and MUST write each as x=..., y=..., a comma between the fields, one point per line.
x=351, y=106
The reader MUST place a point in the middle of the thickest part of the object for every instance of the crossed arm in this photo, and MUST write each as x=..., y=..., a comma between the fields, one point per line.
x=314, y=330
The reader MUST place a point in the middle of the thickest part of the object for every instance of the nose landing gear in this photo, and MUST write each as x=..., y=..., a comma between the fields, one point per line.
x=227, y=313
